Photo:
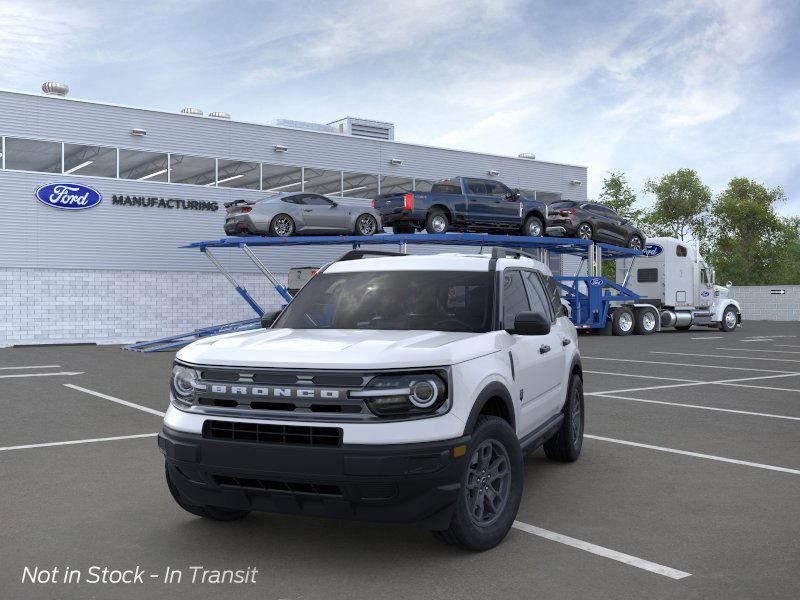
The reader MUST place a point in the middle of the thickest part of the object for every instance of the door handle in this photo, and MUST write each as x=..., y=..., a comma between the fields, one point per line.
x=566, y=342
x=544, y=349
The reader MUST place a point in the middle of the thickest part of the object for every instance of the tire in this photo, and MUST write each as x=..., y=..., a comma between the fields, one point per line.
x=635, y=242
x=645, y=322
x=436, y=222
x=533, y=227
x=584, y=232
x=403, y=228
x=729, y=320
x=622, y=322
x=366, y=225
x=566, y=444
x=482, y=532
x=281, y=225
x=215, y=513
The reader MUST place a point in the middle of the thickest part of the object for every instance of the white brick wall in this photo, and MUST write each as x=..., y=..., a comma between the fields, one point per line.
x=49, y=306
x=758, y=303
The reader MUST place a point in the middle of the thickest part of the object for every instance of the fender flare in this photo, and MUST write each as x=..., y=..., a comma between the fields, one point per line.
x=729, y=303
x=493, y=389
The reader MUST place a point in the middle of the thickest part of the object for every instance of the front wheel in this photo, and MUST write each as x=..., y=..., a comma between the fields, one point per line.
x=533, y=227
x=635, y=243
x=491, y=488
x=214, y=513
x=729, y=320
x=584, y=231
x=566, y=444
x=366, y=225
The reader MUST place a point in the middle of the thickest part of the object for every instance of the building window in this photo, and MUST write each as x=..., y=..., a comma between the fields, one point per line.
x=396, y=185
x=360, y=185
x=144, y=166
x=321, y=181
x=280, y=178
x=194, y=170
x=237, y=174
x=423, y=185
x=96, y=161
x=33, y=155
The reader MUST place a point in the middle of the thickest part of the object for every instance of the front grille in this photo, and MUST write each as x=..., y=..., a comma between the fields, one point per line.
x=291, y=487
x=263, y=433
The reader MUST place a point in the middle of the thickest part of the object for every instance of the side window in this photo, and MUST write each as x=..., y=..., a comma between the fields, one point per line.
x=539, y=301
x=515, y=298
x=647, y=275
x=495, y=188
x=681, y=251
x=315, y=200
x=293, y=199
x=553, y=294
x=476, y=186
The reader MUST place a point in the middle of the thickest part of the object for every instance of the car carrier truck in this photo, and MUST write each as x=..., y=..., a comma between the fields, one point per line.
x=676, y=288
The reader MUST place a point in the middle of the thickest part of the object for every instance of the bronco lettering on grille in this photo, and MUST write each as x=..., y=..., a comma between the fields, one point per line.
x=275, y=392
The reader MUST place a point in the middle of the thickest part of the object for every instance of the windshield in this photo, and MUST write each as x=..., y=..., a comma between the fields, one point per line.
x=404, y=300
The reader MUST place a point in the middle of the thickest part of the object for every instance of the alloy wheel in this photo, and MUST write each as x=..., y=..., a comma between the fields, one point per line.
x=635, y=243
x=649, y=321
x=439, y=223
x=576, y=429
x=366, y=225
x=534, y=228
x=625, y=321
x=730, y=319
x=282, y=226
x=585, y=232
x=488, y=482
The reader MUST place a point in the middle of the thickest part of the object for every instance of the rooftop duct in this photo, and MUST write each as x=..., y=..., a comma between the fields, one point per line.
x=192, y=111
x=376, y=130
x=51, y=88
x=303, y=125
x=219, y=115
x=527, y=155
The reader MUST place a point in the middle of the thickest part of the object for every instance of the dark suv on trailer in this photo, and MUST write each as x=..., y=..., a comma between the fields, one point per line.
x=593, y=221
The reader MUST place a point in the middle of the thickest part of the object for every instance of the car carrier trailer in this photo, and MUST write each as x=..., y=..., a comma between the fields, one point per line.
x=595, y=303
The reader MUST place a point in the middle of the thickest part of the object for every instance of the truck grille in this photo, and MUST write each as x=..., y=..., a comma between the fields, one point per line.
x=264, y=433
x=291, y=487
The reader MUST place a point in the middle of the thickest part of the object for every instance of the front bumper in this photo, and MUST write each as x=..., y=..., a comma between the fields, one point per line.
x=399, y=483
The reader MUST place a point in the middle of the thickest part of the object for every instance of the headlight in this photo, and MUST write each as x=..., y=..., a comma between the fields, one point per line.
x=407, y=394
x=184, y=382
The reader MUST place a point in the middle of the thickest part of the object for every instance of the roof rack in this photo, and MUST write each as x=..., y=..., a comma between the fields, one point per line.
x=359, y=254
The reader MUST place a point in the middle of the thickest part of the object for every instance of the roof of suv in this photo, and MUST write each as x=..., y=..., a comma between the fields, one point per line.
x=433, y=262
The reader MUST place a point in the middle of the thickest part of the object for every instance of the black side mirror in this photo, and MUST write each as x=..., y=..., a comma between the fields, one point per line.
x=268, y=318
x=334, y=204
x=530, y=323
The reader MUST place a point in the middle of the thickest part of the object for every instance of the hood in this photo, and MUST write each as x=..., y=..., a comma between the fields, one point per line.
x=720, y=291
x=339, y=348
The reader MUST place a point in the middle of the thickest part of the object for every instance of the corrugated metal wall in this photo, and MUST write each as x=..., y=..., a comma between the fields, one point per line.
x=124, y=237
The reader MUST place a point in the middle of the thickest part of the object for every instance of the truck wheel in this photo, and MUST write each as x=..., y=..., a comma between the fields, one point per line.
x=645, y=323
x=622, y=322
x=366, y=225
x=565, y=445
x=281, y=226
x=533, y=227
x=436, y=222
x=491, y=488
x=729, y=320
x=215, y=513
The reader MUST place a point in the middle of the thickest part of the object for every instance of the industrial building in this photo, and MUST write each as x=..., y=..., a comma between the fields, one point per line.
x=116, y=272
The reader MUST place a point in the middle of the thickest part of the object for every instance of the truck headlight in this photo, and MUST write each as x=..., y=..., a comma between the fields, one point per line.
x=183, y=383
x=406, y=394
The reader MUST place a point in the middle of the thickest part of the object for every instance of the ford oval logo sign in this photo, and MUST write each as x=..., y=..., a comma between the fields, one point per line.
x=68, y=196
x=705, y=294
x=596, y=281
x=652, y=250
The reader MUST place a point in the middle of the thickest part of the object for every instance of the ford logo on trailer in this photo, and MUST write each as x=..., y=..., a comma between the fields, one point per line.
x=652, y=250
x=68, y=196
x=596, y=281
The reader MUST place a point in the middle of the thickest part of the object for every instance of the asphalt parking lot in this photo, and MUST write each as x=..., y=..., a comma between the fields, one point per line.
x=687, y=487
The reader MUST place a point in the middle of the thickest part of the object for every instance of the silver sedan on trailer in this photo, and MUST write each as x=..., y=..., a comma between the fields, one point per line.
x=299, y=213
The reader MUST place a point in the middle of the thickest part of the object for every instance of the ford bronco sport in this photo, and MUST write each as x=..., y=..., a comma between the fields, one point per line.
x=402, y=389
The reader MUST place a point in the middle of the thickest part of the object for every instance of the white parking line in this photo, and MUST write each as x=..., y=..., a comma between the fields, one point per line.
x=152, y=411
x=735, y=382
x=674, y=364
x=31, y=367
x=724, y=356
x=641, y=376
x=787, y=346
x=708, y=337
x=633, y=561
x=758, y=350
x=694, y=454
x=71, y=442
x=17, y=375
x=699, y=406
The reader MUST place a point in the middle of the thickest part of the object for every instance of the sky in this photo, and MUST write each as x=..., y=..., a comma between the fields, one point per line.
x=639, y=87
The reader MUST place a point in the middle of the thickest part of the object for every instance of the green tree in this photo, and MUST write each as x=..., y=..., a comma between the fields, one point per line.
x=750, y=243
x=681, y=205
x=618, y=195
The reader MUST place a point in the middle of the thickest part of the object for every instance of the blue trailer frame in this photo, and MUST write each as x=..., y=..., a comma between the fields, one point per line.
x=589, y=297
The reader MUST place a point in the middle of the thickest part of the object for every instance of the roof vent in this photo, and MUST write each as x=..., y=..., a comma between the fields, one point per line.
x=51, y=88
x=219, y=115
x=376, y=130
x=527, y=155
x=192, y=111
x=303, y=125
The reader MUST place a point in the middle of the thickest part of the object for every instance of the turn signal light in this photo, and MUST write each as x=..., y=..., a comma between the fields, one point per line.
x=246, y=209
x=408, y=201
x=568, y=212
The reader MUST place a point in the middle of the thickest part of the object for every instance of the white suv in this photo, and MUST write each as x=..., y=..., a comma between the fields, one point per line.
x=400, y=388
